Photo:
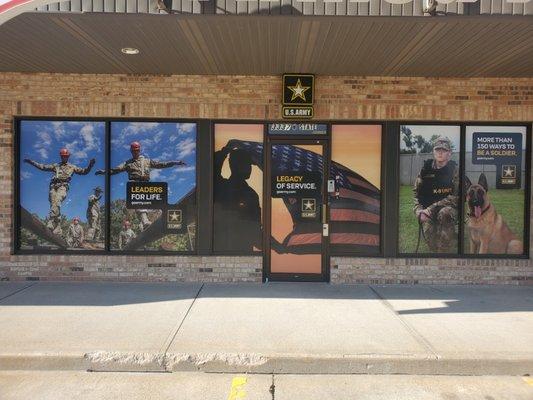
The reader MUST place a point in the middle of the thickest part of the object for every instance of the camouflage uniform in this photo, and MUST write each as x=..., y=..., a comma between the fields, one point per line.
x=437, y=191
x=58, y=189
x=93, y=215
x=75, y=235
x=125, y=236
x=138, y=170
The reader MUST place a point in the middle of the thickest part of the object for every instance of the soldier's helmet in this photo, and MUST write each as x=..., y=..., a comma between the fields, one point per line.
x=135, y=146
x=442, y=143
x=64, y=152
x=98, y=189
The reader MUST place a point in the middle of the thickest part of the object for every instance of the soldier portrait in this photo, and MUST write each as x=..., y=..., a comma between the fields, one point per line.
x=57, y=164
x=152, y=152
x=429, y=191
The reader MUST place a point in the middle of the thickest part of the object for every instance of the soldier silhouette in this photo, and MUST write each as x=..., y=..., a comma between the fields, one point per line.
x=59, y=185
x=138, y=168
x=236, y=204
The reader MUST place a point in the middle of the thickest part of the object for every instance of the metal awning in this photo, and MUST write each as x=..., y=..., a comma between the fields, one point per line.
x=452, y=46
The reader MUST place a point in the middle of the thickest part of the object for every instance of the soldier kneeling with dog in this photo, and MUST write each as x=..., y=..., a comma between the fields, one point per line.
x=436, y=197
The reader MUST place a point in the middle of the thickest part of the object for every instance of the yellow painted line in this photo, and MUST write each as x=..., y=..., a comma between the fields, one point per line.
x=528, y=380
x=237, y=388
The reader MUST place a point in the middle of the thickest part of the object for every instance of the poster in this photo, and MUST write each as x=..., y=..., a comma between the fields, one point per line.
x=429, y=189
x=238, y=188
x=61, y=199
x=153, y=186
x=355, y=203
x=494, y=201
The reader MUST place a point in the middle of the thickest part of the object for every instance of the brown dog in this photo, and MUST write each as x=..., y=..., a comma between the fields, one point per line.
x=489, y=234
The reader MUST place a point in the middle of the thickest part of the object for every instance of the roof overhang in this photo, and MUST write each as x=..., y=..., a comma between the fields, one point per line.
x=451, y=46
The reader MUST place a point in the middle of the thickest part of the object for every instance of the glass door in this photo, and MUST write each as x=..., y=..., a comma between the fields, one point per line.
x=297, y=222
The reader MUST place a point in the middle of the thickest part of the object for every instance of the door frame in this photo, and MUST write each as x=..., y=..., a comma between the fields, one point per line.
x=324, y=275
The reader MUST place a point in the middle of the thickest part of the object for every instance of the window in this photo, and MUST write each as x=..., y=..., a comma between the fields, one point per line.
x=150, y=159
x=238, y=188
x=61, y=199
x=429, y=189
x=355, y=204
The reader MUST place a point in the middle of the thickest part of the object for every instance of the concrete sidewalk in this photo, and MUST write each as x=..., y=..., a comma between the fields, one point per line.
x=270, y=328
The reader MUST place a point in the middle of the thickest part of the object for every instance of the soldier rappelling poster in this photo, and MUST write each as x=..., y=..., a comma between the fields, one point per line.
x=153, y=170
x=61, y=199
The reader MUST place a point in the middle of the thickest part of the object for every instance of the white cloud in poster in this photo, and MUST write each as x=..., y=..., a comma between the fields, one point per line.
x=186, y=147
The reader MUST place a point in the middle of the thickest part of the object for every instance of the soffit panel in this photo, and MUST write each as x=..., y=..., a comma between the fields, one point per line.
x=262, y=45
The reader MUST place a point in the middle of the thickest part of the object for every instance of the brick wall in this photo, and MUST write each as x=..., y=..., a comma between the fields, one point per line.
x=240, y=97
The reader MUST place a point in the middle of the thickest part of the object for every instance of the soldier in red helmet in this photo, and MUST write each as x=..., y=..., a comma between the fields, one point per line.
x=59, y=185
x=126, y=235
x=75, y=234
x=138, y=168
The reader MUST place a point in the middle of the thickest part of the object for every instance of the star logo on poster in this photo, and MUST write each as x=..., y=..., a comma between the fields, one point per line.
x=174, y=219
x=308, y=205
x=509, y=171
x=298, y=90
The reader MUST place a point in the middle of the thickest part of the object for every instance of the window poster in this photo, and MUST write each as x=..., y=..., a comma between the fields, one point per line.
x=238, y=188
x=153, y=186
x=355, y=203
x=494, y=208
x=429, y=189
x=61, y=199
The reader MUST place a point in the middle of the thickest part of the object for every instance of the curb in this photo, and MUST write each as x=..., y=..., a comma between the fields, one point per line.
x=279, y=364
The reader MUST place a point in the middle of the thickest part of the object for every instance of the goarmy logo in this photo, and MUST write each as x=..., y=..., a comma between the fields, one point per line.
x=509, y=171
x=174, y=219
x=308, y=208
x=298, y=89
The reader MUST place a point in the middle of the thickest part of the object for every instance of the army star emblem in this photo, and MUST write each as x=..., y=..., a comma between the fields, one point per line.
x=298, y=90
x=508, y=171
x=309, y=205
x=174, y=216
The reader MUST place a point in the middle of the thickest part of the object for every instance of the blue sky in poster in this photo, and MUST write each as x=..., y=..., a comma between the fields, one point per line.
x=41, y=142
x=164, y=141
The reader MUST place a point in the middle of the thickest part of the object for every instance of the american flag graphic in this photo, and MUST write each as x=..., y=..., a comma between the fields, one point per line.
x=354, y=207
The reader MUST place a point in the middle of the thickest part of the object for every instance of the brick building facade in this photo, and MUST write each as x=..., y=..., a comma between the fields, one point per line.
x=337, y=98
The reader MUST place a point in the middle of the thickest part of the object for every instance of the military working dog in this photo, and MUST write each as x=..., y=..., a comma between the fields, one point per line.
x=489, y=234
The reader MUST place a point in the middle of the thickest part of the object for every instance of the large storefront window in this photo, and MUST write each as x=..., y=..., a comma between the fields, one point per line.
x=495, y=196
x=61, y=199
x=238, y=188
x=355, y=205
x=153, y=186
x=429, y=189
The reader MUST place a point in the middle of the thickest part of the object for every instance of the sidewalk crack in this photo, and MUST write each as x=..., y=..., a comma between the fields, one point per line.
x=18, y=291
x=180, y=325
x=416, y=335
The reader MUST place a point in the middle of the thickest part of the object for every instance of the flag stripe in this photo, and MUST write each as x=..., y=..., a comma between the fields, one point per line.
x=360, y=183
x=352, y=204
x=354, y=216
x=305, y=238
x=355, y=238
x=355, y=227
x=347, y=193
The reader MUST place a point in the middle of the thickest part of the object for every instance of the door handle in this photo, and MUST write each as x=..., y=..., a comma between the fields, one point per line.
x=324, y=214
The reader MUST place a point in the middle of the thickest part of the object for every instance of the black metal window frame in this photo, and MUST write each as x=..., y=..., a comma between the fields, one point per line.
x=107, y=160
x=462, y=125
x=390, y=151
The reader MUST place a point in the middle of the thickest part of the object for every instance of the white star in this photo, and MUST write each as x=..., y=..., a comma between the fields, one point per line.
x=508, y=171
x=298, y=90
x=308, y=205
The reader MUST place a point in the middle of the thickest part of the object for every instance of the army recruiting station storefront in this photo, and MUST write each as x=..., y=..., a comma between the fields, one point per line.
x=291, y=177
